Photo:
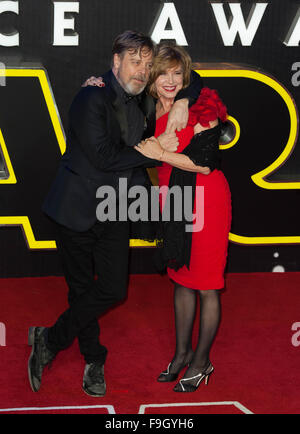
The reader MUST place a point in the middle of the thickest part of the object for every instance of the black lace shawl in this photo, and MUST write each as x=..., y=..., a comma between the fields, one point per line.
x=174, y=243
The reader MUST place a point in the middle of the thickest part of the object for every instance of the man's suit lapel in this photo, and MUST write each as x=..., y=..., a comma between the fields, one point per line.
x=117, y=105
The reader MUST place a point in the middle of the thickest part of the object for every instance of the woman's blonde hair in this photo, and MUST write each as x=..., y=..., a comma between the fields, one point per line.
x=167, y=56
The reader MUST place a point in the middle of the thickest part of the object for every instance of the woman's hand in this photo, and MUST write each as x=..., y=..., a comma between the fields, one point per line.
x=178, y=116
x=168, y=141
x=94, y=81
x=204, y=170
x=150, y=148
x=198, y=127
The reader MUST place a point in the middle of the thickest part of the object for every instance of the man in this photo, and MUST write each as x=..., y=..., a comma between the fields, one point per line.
x=104, y=126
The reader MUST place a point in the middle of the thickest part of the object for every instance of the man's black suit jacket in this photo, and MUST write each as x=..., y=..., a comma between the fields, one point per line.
x=97, y=153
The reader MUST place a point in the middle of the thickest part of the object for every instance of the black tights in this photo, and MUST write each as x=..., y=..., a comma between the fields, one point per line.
x=185, y=303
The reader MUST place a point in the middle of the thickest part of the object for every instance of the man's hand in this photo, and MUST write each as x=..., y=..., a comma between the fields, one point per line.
x=178, y=116
x=94, y=81
x=169, y=141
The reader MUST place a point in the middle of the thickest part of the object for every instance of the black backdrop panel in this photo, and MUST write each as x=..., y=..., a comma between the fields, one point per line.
x=34, y=147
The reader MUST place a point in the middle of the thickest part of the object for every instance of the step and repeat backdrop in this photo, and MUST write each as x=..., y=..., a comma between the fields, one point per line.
x=248, y=51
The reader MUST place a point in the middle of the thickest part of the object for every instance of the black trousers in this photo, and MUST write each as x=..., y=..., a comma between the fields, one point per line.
x=100, y=252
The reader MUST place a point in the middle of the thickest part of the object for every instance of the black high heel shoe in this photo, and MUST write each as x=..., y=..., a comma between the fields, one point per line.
x=184, y=386
x=166, y=376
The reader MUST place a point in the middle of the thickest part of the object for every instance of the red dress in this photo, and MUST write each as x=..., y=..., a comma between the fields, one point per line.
x=209, y=246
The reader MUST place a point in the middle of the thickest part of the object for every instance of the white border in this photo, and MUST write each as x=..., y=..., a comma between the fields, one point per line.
x=110, y=408
x=195, y=404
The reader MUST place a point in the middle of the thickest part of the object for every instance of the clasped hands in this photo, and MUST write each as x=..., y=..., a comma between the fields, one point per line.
x=154, y=147
x=151, y=148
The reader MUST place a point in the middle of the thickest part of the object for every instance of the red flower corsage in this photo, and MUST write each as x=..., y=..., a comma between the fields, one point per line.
x=208, y=107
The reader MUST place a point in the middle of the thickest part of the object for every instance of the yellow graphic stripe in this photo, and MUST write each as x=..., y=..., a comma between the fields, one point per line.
x=238, y=239
x=141, y=243
x=42, y=76
x=236, y=136
x=11, y=174
x=49, y=100
x=259, y=178
x=23, y=221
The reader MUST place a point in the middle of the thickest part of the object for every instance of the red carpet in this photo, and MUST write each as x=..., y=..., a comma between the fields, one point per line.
x=256, y=363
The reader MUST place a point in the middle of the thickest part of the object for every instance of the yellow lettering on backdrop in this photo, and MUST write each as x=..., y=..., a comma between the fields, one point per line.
x=260, y=178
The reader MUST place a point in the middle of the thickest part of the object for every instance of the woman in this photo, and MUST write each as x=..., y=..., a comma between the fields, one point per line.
x=200, y=271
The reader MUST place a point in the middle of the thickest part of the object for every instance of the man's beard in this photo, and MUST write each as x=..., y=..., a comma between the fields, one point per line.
x=132, y=89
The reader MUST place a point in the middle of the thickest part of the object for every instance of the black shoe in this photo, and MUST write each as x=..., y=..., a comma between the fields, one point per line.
x=167, y=376
x=191, y=384
x=39, y=358
x=93, y=380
